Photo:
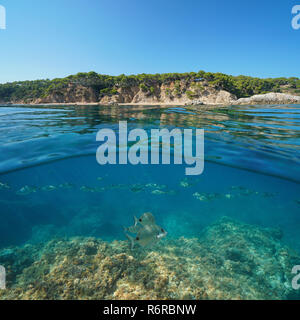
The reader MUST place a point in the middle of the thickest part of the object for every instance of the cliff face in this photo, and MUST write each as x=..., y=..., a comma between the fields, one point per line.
x=72, y=94
x=173, y=93
x=177, y=92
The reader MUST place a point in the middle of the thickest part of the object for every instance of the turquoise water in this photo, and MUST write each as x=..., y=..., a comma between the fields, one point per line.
x=254, y=148
x=52, y=185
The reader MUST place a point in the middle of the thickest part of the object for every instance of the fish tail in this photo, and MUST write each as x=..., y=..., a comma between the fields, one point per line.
x=131, y=239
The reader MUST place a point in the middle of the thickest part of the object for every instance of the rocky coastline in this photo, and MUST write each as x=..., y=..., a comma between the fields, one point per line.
x=200, y=88
x=210, y=99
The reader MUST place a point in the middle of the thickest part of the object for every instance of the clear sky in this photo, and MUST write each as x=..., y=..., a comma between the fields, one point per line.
x=48, y=39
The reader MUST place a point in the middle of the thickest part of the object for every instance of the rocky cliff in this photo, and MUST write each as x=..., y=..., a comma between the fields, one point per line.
x=179, y=92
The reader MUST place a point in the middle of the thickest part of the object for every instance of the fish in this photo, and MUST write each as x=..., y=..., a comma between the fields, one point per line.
x=101, y=189
x=137, y=188
x=146, y=230
x=268, y=194
x=186, y=183
x=158, y=192
x=4, y=186
x=238, y=188
x=66, y=185
x=206, y=196
x=87, y=189
x=26, y=190
x=146, y=218
x=49, y=188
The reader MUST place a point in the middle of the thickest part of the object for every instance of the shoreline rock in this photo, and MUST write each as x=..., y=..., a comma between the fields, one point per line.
x=269, y=98
x=135, y=97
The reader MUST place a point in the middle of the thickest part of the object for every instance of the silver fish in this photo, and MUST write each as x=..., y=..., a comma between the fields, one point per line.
x=146, y=218
x=26, y=190
x=49, y=188
x=87, y=189
x=4, y=186
x=66, y=185
x=146, y=230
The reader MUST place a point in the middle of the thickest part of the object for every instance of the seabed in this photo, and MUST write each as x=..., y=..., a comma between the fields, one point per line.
x=229, y=260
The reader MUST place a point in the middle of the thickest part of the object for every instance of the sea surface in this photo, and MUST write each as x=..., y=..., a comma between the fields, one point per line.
x=51, y=184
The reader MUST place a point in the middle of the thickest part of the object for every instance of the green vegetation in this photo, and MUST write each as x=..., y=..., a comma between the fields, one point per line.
x=241, y=86
x=190, y=94
x=177, y=88
x=108, y=92
x=143, y=87
x=168, y=92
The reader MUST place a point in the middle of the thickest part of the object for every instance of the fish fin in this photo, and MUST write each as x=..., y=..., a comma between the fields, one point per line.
x=136, y=220
x=131, y=239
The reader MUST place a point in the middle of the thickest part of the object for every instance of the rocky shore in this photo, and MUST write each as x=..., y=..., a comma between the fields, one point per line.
x=202, y=88
x=148, y=89
x=213, y=98
x=270, y=98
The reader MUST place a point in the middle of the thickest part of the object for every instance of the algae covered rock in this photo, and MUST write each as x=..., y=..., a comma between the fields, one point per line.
x=229, y=260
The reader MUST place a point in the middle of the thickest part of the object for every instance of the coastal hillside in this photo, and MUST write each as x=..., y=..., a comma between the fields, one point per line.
x=171, y=88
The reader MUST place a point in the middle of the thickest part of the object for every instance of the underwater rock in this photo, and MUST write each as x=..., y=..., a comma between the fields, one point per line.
x=229, y=260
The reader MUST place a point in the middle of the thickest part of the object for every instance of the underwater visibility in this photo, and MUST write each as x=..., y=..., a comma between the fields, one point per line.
x=73, y=229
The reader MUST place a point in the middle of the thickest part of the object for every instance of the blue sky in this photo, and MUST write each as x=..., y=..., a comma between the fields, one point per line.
x=48, y=39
